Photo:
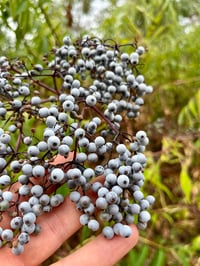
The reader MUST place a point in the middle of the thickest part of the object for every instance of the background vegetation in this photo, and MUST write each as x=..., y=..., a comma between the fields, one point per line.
x=170, y=30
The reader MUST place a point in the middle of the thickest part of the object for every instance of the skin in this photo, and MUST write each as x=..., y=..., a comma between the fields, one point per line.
x=57, y=227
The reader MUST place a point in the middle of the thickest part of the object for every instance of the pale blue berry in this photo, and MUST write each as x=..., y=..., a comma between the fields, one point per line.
x=5, y=180
x=123, y=181
x=57, y=175
x=91, y=100
x=17, y=250
x=93, y=225
x=16, y=222
x=44, y=199
x=29, y=218
x=144, y=216
x=38, y=171
x=101, y=203
x=53, y=142
x=37, y=190
x=23, y=238
x=24, y=190
x=7, y=195
x=108, y=232
x=84, y=219
x=7, y=235
x=75, y=196
x=125, y=231
x=68, y=106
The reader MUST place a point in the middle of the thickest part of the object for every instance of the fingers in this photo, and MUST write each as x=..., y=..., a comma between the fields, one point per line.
x=101, y=251
x=59, y=159
x=57, y=226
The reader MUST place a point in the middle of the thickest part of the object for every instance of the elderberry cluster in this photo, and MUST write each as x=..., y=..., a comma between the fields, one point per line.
x=62, y=129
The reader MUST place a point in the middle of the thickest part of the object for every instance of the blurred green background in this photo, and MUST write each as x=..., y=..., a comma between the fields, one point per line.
x=170, y=30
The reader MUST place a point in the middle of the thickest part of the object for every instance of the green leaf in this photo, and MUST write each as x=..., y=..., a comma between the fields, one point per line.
x=143, y=255
x=131, y=26
x=131, y=257
x=152, y=174
x=185, y=183
x=196, y=243
x=64, y=190
x=85, y=233
x=22, y=7
x=190, y=114
x=158, y=258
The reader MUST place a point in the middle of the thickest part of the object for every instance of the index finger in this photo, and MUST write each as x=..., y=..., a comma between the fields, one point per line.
x=57, y=226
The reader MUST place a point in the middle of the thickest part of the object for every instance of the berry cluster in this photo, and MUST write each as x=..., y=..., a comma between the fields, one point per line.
x=72, y=107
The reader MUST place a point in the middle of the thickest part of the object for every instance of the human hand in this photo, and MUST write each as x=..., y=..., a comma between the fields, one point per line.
x=57, y=227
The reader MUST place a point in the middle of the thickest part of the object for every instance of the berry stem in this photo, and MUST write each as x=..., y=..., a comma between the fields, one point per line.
x=106, y=119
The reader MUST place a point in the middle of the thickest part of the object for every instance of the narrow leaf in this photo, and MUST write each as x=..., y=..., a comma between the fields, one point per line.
x=185, y=183
x=158, y=258
x=143, y=255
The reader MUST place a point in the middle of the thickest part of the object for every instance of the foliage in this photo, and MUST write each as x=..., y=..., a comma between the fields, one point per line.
x=173, y=60
x=169, y=30
x=30, y=28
